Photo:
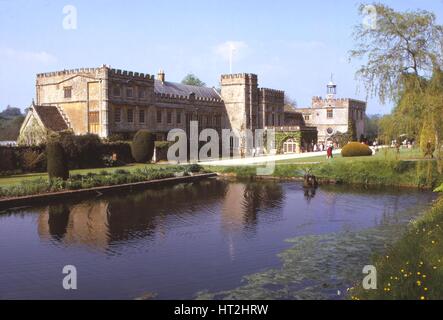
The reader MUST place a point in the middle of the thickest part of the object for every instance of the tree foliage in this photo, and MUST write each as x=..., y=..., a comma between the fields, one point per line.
x=403, y=61
x=399, y=43
x=192, y=80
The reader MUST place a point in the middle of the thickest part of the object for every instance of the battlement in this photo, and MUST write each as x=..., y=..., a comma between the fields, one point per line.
x=273, y=92
x=68, y=72
x=115, y=72
x=321, y=99
x=131, y=74
x=165, y=96
x=239, y=76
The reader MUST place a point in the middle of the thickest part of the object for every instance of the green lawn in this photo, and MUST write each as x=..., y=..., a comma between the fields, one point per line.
x=385, y=154
x=282, y=166
x=387, y=168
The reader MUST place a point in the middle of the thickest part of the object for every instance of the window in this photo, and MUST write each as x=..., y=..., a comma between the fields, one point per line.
x=290, y=146
x=179, y=117
x=330, y=113
x=307, y=117
x=129, y=92
x=130, y=115
x=67, y=92
x=169, y=117
x=118, y=115
x=116, y=91
x=141, y=116
x=159, y=116
x=141, y=93
x=93, y=121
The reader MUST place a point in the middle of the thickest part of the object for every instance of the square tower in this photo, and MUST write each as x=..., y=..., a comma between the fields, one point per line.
x=241, y=97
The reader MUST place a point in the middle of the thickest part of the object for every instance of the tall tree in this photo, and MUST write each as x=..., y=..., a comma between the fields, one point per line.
x=403, y=57
x=398, y=44
x=192, y=80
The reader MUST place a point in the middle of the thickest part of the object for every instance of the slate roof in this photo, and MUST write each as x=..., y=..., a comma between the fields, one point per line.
x=51, y=118
x=172, y=88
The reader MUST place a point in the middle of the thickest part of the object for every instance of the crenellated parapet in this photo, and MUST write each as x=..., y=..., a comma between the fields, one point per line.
x=272, y=94
x=239, y=78
x=130, y=74
x=171, y=98
x=68, y=72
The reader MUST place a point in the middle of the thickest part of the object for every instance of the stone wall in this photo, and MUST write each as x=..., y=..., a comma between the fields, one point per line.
x=86, y=94
x=343, y=112
x=271, y=108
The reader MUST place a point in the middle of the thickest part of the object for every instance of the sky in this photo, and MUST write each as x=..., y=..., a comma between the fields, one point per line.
x=291, y=45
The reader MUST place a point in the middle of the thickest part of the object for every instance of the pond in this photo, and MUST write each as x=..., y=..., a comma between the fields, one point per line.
x=212, y=239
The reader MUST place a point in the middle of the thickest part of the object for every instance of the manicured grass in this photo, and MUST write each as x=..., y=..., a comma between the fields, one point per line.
x=383, y=154
x=387, y=168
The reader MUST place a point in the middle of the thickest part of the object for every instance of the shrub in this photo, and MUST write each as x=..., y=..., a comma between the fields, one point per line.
x=143, y=146
x=121, y=149
x=161, y=150
x=356, y=149
x=82, y=152
x=57, y=164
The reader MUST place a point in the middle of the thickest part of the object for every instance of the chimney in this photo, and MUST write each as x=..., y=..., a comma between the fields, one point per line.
x=161, y=76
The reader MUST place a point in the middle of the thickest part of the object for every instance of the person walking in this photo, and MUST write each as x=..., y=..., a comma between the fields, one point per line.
x=329, y=152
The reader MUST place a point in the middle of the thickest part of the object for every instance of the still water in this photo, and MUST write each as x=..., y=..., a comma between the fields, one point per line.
x=211, y=239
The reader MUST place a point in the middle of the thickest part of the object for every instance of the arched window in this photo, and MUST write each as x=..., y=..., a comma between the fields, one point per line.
x=290, y=146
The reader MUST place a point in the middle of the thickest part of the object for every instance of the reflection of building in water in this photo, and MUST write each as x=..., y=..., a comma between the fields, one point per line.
x=98, y=223
x=243, y=202
x=233, y=210
x=85, y=223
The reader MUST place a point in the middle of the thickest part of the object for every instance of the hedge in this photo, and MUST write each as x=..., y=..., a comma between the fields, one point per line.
x=32, y=159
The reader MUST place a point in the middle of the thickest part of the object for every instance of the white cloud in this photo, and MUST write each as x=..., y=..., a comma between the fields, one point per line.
x=239, y=50
x=27, y=56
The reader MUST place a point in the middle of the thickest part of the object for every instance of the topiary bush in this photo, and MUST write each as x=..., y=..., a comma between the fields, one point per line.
x=143, y=146
x=356, y=149
x=57, y=165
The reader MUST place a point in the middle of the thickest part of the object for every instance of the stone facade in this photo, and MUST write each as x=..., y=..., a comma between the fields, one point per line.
x=107, y=102
x=333, y=115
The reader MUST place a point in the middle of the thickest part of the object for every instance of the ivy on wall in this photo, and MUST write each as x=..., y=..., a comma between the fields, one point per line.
x=281, y=137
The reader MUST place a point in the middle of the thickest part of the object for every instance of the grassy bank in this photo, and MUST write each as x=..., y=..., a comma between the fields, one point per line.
x=413, y=268
x=420, y=174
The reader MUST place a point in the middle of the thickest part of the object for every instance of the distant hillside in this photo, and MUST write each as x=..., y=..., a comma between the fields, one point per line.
x=10, y=113
x=11, y=120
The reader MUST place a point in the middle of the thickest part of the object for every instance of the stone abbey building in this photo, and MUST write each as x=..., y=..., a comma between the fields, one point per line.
x=335, y=115
x=109, y=102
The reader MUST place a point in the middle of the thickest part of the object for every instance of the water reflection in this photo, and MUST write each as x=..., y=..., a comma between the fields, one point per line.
x=216, y=232
x=99, y=223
